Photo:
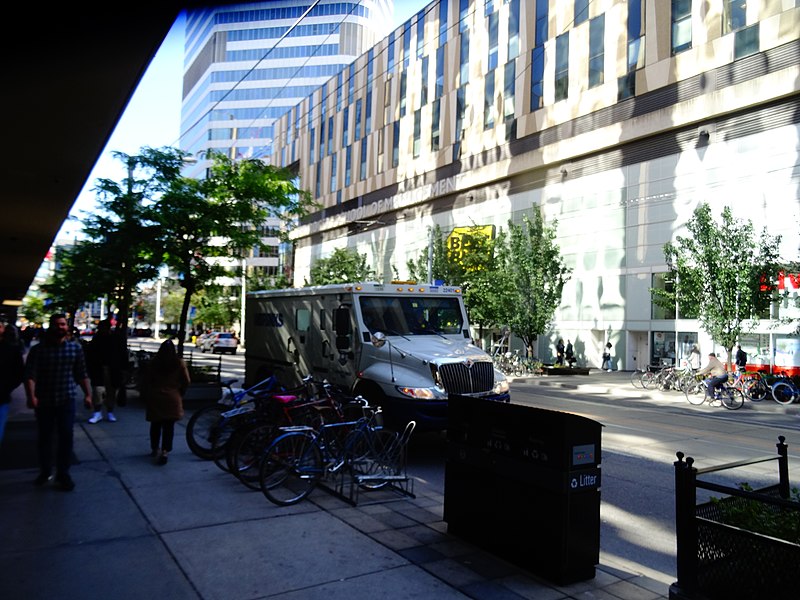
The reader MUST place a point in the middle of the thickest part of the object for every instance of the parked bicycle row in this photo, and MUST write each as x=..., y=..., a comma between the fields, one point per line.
x=511, y=363
x=285, y=442
x=740, y=386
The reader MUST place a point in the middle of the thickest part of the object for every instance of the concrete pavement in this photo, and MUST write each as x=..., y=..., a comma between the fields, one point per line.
x=135, y=530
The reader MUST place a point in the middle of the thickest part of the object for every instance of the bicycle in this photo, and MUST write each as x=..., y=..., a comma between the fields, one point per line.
x=638, y=376
x=299, y=458
x=785, y=390
x=203, y=426
x=729, y=396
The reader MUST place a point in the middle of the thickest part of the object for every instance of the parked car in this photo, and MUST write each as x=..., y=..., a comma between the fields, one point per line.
x=198, y=341
x=219, y=342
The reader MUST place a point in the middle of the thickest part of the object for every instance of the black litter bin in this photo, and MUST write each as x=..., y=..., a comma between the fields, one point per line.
x=524, y=484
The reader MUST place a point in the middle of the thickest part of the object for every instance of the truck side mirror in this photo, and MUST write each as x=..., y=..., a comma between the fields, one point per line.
x=342, y=342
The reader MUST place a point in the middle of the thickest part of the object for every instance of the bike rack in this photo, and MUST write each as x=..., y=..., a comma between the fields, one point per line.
x=347, y=485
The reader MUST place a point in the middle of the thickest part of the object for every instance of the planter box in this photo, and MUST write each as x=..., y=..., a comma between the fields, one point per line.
x=548, y=370
x=735, y=563
x=203, y=392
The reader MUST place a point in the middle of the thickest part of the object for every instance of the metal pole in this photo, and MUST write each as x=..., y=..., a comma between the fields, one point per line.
x=685, y=527
x=244, y=296
x=430, y=255
x=158, y=310
x=783, y=468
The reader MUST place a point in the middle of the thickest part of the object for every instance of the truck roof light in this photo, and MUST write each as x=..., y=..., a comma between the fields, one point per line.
x=410, y=289
x=421, y=289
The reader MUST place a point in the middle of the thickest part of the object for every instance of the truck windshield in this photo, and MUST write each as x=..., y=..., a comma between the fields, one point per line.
x=411, y=315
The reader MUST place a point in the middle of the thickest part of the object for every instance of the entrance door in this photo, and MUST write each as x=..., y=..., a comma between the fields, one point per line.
x=638, y=350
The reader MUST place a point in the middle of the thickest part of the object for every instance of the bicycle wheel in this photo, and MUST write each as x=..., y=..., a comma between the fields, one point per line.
x=696, y=393
x=373, y=452
x=636, y=379
x=755, y=390
x=648, y=379
x=247, y=452
x=222, y=436
x=731, y=398
x=290, y=468
x=200, y=430
x=784, y=392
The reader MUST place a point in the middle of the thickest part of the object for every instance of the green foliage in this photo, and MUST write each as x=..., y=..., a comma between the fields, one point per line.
x=33, y=310
x=343, y=266
x=535, y=275
x=760, y=517
x=719, y=271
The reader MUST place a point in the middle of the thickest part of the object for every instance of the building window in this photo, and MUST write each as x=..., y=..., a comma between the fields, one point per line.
x=348, y=157
x=346, y=126
x=362, y=171
x=310, y=116
x=333, y=172
x=423, y=95
x=339, y=76
x=513, y=29
x=463, y=15
x=403, y=85
x=542, y=9
x=390, y=54
x=461, y=111
x=381, y=149
x=420, y=33
x=330, y=135
x=464, y=59
x=351, y=83
x=509, y=89
x=439, y=72
x=581, y=11
x=597, y=28
x=488, y=101
x=312, y=151
x=537, y=78
x=488, y=7
x=357, y=124
x=387, y=101
x=317, y=189
x=407, y=45
x=681, y=25
x=626, y=86
x=370, y=66
x=368, y=117
x=635, y=35
x=443, y=22
x=562, y=66
x=417, y=132
x=734, y=16
x=494, y=24
x=396, y=144
x=322, y=139
x=746, y=41
x=660, y=281
x=435, y=124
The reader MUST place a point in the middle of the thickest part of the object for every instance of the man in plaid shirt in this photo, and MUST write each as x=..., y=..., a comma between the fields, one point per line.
x=52, y=369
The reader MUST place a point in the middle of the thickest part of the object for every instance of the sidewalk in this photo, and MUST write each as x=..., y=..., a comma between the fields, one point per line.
x=187, y=530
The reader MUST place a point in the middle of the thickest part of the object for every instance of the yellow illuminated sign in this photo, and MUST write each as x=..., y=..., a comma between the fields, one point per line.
x=458, y=241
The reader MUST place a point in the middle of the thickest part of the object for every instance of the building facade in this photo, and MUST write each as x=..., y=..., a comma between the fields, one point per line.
x=246, y=64
x=616, y=118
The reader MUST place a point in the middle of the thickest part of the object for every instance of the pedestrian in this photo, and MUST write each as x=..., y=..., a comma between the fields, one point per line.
x=606, y=366
x=560, y=352
x=166, y=381
x=11, y=369
x=106, y=357
x=741, y=359
x=53, y=368
x=569, y=353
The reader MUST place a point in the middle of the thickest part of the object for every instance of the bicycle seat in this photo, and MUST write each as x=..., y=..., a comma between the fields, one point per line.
x=287, y=399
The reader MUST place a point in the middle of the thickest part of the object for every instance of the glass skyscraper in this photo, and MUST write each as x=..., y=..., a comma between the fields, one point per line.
x=247, y=64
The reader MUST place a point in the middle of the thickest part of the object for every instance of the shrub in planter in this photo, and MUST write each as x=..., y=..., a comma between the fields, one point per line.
x=762, y=518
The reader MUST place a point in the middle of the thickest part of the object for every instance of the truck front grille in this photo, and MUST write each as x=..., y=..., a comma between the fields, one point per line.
x=458, y=378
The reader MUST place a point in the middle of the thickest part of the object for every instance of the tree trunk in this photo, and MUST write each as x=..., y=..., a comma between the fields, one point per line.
x=187, y=300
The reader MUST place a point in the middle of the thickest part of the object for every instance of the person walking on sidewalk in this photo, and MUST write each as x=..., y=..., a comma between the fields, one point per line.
x=569, y=353
x=107, y=355
x=607, y=358
x=560, y=352
x=11, y=369
x=166, y=382
x=52, y=370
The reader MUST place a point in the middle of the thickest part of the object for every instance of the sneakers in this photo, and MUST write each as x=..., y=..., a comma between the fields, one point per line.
x=111, y=418
x=65, y=483
x=162, y=460
x=96, y=417
x=41, y=479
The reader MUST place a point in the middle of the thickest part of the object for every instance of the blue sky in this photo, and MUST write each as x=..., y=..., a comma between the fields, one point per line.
x=152, y=118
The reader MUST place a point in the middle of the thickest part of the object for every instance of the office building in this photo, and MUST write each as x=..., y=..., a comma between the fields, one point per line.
x=615, y=117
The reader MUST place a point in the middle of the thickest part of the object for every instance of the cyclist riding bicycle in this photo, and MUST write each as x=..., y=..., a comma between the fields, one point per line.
x=716, y=369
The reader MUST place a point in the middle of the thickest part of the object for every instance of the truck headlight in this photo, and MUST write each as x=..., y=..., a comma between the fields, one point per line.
x=421, y=393
x=501, y=387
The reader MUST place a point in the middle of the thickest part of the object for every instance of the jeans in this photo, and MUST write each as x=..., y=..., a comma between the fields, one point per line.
x=55, y=421
x=715, y=382
x=3, y=417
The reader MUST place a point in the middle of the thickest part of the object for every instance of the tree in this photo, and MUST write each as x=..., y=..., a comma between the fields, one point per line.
x=206, y=226
x=473, y=264
x=343, y=266
x=121, y=235
x=79, y=278
x=33, y=310
x=535, y=274
x=723, y=273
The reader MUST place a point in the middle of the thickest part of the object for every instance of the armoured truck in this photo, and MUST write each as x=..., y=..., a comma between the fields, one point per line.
x=402, y=346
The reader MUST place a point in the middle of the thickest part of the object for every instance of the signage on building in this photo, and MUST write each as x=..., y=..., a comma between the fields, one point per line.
x=460, y=239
